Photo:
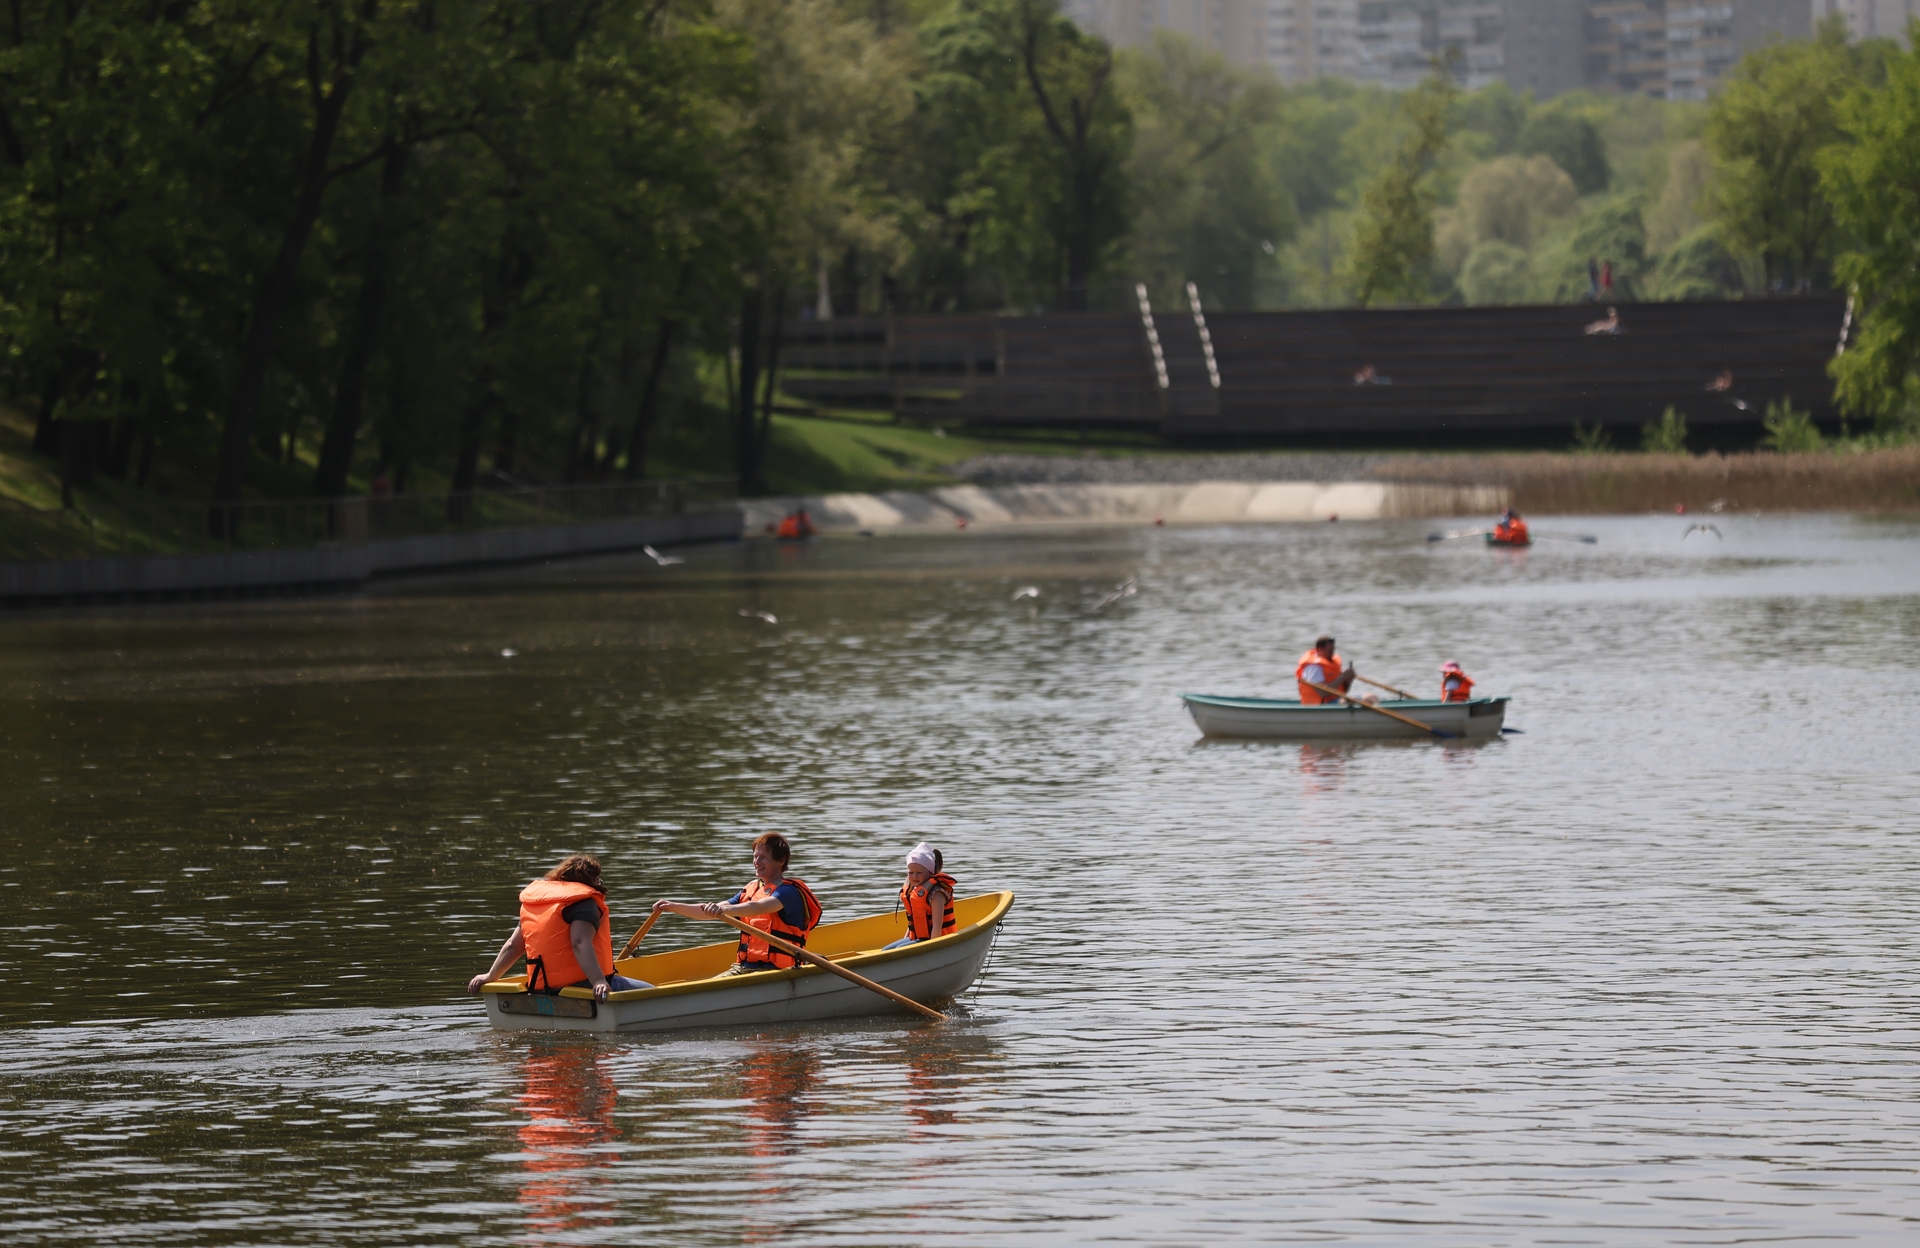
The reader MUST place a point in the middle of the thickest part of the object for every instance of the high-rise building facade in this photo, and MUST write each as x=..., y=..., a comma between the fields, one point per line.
x=1670, y=49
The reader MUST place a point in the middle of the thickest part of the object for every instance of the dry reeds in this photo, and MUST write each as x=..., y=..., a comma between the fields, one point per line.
x=1565, y=484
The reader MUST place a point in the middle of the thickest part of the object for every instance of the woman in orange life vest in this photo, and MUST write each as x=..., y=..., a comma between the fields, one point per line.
x=565, y=929
x=1455, y=685
x=771, y=902
x=1322, y=666
x=927, y=895
x=1510, y=529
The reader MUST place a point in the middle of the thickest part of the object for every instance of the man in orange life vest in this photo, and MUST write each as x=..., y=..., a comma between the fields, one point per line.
x=1455, y=685
x=565, y=929
x=1511, y=530
x=1322, y=666
x=771, y=902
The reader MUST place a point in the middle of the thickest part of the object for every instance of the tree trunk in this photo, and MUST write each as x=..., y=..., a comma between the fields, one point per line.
x=263, y=328
x=120, y=453
x=512, y=270
x=649, y=401
x=746, y=455
x=369, y=315
x=765, y=431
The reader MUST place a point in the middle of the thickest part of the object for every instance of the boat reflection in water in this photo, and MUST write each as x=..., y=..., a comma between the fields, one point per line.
x=569, y=1103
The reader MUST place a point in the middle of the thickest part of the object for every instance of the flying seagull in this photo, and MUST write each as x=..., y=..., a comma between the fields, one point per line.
x=768, y=616
x=1701, y=528
x=664, y=561
x=1125, y=589
x=1026, y=591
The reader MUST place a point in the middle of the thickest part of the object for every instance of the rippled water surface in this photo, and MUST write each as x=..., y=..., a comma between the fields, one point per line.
x=1645, y=973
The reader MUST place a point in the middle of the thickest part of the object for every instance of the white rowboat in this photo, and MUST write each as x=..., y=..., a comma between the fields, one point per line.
x=689, y=992
x=1286, y=719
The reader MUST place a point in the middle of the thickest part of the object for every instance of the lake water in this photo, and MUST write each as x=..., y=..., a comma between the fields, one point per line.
x=1644, y=973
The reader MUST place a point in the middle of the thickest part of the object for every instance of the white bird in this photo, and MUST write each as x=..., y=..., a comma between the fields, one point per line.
x=1701, y=528
x=665, y=561
x=508, y=653
x=1125, y=589
x=1026, y=591
x=768, y=616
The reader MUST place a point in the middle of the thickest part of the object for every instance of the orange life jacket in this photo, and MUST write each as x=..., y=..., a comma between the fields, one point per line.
x=753, y=949
x=550, y=960
x=1463, y=694
x=1514, y=534
x=1332, y=667
x=920, y=914
x=790, y=527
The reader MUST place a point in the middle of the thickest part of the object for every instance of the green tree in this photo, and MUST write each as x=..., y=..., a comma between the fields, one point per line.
x=1392, y=251
x=1767, y=130
x=1571, y=141
x=1667, y=436
x=1874, y=185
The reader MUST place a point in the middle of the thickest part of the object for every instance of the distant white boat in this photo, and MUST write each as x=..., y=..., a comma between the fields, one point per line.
x=689, y=990
x=1287, y=719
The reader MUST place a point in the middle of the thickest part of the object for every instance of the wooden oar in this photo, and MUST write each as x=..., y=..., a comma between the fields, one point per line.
x=1380, y=710
x=1389, y=688
x=1449, y=536
x=1558, y=537
x=826, y=964
x=639, y=936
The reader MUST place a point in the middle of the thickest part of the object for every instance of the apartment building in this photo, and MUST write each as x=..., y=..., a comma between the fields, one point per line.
x=1871, y=19
x=1669, y=49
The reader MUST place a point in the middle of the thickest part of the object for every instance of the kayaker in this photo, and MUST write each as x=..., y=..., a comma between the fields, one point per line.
x=564, y=926
x=1455, y=685
x=1322, y=666
x=1510, y=529
x=771, y=901
x=927, y=893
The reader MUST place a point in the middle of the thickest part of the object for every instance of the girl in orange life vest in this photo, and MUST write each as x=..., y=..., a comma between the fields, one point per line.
x=1511, y=530
x=1455, y=685
x=565, y=929
x=927, y=895
x=1322, y=666
x=771, y=902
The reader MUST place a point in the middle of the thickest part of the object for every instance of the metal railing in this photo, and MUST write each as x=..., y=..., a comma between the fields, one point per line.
x=112, y=525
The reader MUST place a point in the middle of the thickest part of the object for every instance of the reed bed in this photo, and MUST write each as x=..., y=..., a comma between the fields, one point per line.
x=1568, y=484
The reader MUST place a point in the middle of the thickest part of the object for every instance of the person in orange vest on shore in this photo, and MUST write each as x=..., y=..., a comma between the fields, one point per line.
x=1321, y=666
x=772, y=901
x=797, y=525
x=1510, y=529
x=1455, y=685
x=566, y=932
x=927, y=895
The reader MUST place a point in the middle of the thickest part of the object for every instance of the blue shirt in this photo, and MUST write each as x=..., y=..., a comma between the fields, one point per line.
x=793, y=907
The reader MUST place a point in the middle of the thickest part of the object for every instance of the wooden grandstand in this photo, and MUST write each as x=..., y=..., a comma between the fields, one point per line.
x=1416, y=371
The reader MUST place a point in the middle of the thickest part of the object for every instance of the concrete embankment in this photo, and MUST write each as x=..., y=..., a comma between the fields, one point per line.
x=1202, y=502
x=344, y=566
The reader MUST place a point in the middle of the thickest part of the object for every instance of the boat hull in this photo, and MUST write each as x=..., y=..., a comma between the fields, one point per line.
x=930, y=972
x=1277, y=719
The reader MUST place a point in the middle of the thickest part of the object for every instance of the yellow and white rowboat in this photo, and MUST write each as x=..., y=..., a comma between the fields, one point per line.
x=689, y=993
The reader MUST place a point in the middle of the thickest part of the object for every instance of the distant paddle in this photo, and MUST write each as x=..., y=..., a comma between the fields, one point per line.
x=1453, y=533
x=1569, y=537
x=1380, y=710
x=826, y=964
x=1538, y=537
x=639, y=936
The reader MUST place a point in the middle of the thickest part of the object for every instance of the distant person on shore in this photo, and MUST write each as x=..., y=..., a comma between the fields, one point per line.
x=1510, y=529
x=796, y=525
x=1455, y=685
x=566, y=932
x=927, y=896
x=1609, y=326
x=771, y=901
x=1321, y=666
x=1593, y=279
x=1606, y=279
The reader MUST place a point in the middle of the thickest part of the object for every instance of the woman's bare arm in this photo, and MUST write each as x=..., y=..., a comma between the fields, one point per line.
x=508, y=955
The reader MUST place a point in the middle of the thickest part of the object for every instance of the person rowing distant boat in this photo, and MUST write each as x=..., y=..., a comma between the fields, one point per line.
x=772, y=901
x=1455, y=685
x=1321, y=666
x=1511, y=530
x=566, y=932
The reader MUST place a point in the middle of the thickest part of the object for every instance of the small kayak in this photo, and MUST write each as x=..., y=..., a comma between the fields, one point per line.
x=1287, y=719
x=688, y=990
